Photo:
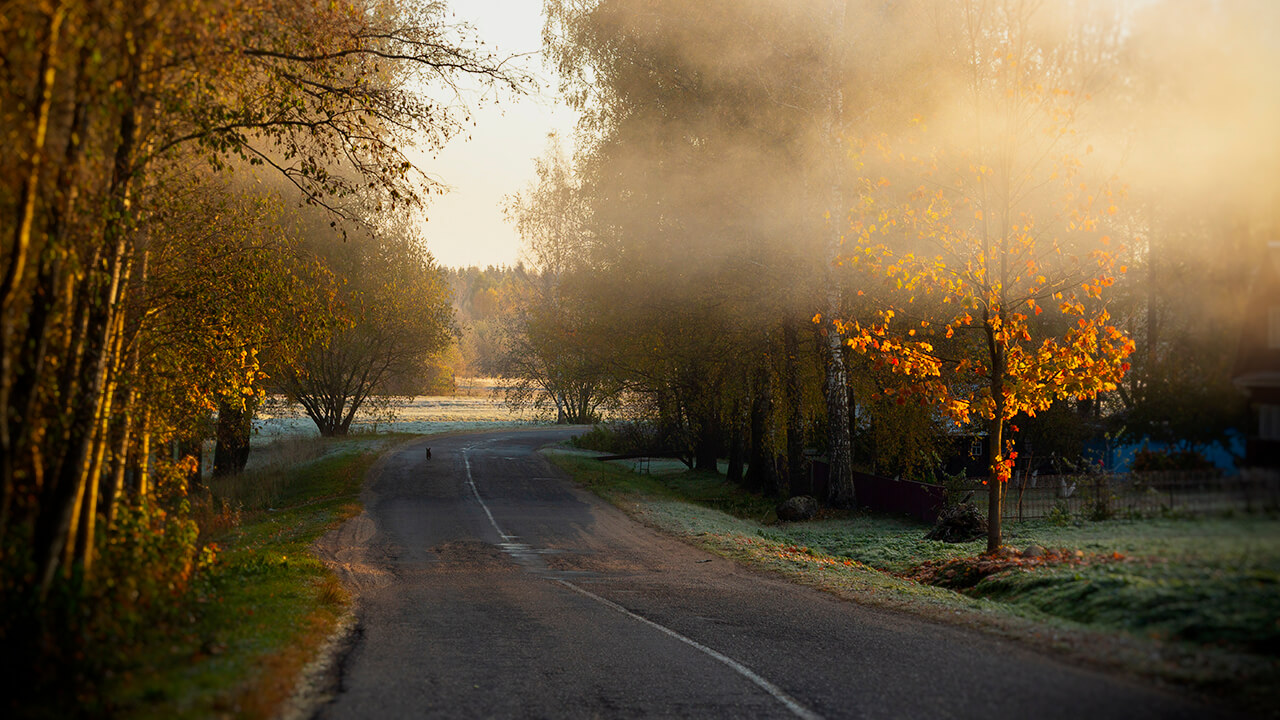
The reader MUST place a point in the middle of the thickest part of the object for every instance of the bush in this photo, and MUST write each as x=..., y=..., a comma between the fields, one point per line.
x=956, y=489
x=56, y=651
x=626, y=438
x=599, y=438
x=1060, y=514
x=1098, y=504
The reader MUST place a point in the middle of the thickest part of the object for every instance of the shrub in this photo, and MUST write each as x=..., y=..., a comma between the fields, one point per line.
x=600, y=438
x=1060, y=514
x=1098, y=504
x=956, y=488
x=626, y=438
x=56, y=651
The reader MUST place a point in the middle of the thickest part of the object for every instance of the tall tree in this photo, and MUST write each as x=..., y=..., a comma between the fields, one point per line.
x=975, y=236
x=396, y=305
x=549, y=349
x=1197, y=232
x=695, y=171
x=130, y=95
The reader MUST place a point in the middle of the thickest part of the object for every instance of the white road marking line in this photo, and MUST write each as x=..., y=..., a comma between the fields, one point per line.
x=467, y=461
x=787, y=701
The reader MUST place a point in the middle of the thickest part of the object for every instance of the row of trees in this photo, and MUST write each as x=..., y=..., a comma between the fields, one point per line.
x=154, y=272
x=484, y=300
x=865, y=227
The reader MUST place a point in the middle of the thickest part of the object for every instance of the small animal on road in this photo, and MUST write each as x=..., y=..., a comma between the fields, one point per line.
x=428, y=453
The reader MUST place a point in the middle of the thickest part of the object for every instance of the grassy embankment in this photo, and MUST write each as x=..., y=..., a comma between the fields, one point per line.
x=1191, y=602
x=268, y=604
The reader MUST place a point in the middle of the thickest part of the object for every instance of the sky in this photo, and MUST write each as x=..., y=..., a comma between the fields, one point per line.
x=495, y=158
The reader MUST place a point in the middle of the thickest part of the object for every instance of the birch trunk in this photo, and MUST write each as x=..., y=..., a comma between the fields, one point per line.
x=144, y=456
x=119, y=458
x=795, y=409
x=93, y=473
x=21, y=245
x=840, y=491
x=56, y=524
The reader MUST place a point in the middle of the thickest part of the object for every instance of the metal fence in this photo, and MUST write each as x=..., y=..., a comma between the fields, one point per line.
x=1104, y=495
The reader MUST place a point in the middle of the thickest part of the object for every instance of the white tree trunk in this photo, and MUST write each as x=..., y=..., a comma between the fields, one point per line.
x=839, y=443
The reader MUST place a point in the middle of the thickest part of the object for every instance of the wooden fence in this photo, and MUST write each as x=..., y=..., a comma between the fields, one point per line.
x=1149, y=493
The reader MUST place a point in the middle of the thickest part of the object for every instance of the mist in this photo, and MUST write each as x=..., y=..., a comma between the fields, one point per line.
x=1177, y=99
x=736, y=162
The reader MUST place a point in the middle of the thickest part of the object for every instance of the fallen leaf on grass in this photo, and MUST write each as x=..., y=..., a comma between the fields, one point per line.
x=965, y=572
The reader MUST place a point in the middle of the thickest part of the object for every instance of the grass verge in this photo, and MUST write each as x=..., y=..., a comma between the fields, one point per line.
x=1190, y=603
x=258, y=617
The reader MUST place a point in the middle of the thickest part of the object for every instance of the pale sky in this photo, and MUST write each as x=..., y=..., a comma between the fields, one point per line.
x=465, y=226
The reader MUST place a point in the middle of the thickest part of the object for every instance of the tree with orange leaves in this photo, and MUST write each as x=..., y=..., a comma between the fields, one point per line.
x=990, y=244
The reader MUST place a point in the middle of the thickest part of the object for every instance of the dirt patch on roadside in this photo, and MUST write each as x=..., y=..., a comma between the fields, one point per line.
x=347, y=551
x=319, y=680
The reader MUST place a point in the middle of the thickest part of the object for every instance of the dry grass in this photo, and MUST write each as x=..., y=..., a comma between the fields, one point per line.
x=225, y=499
x=286, y=451
x=332, y=593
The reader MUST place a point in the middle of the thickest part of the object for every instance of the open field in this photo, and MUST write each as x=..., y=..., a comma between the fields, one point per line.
x=1190, y=602
x=423, y=414
x=283, y=434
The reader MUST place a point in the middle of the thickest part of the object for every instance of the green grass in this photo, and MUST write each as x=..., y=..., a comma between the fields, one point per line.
x=268, y=603
x=708, y=489
x=1194, y=602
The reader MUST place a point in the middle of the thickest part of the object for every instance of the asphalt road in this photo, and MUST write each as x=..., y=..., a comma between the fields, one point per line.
x=491, y=587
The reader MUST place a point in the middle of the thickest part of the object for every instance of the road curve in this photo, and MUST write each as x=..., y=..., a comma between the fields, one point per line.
x=491, y=587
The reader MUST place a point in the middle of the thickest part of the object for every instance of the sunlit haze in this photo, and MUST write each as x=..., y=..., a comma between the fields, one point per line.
x=495, y=158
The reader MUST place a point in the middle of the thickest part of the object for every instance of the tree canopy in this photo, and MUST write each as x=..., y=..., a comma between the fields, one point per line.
x=146, y=279
x=963, y=195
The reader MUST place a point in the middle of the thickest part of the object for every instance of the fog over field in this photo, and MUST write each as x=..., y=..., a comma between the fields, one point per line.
x=422, y=414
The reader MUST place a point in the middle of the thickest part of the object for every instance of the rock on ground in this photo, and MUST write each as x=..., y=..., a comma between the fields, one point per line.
x=959, y=523
x=800, y=507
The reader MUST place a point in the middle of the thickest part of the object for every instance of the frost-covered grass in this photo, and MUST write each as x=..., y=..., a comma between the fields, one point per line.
x=1206, y=580
x=1191, y=601
x=419, y=415
x=283, y=435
